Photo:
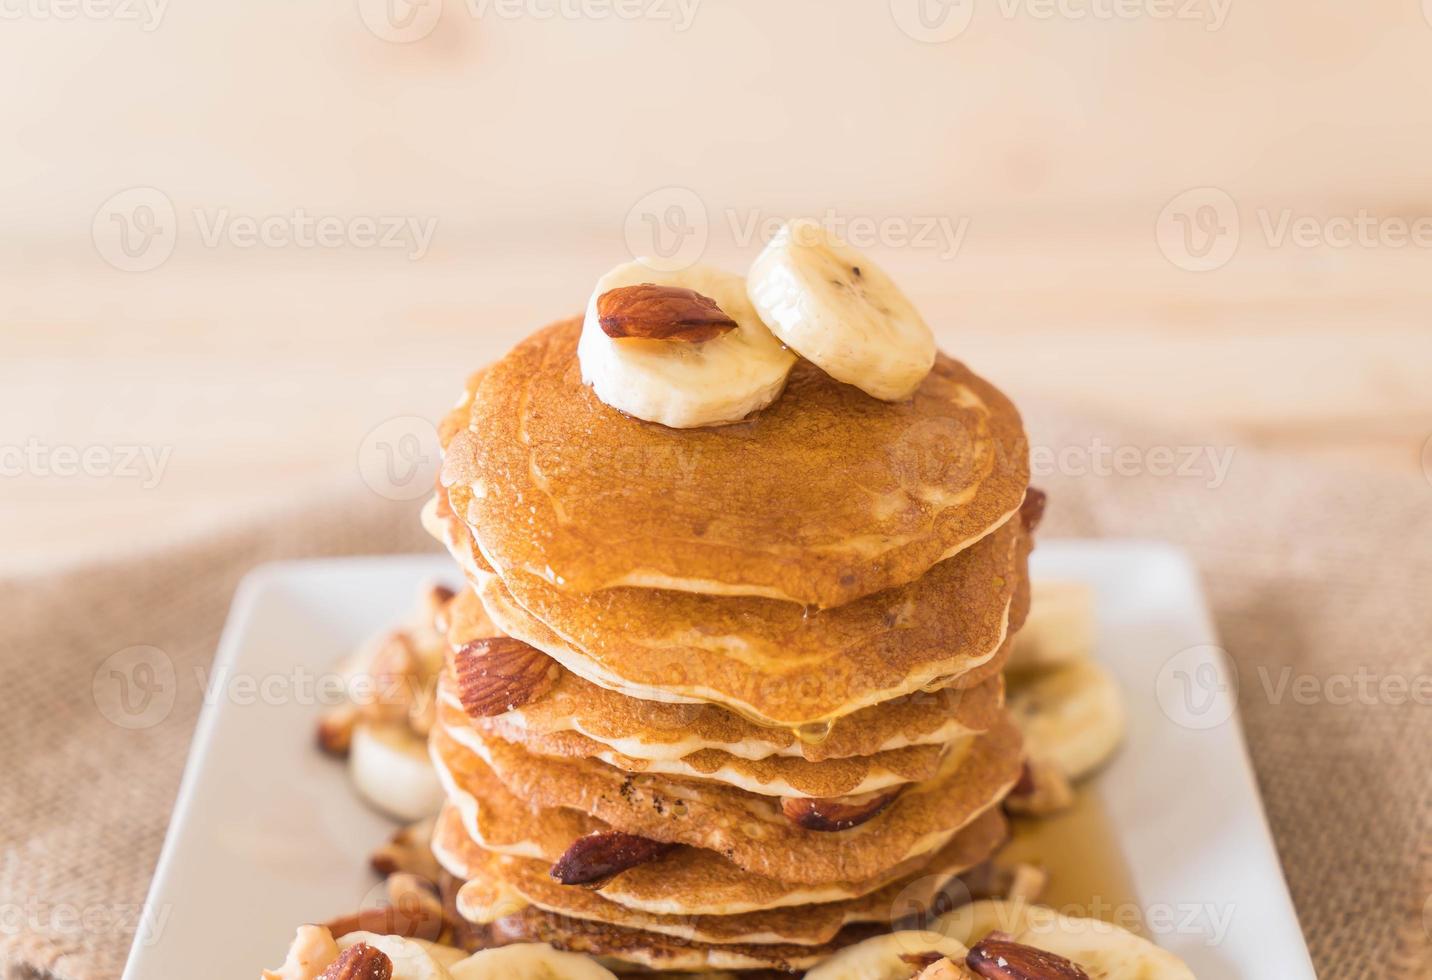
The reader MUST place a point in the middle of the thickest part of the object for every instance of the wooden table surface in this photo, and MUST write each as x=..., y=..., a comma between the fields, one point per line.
x=1061, y=142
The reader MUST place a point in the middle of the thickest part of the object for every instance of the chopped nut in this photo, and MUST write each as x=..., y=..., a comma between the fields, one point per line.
x=596, y=859
x=360, y=962
x=836, y=814
x=1042, y=790
x=497, y=674
x=653, y=312
x=409, y=850
x=335, y=730
x=1001, y=959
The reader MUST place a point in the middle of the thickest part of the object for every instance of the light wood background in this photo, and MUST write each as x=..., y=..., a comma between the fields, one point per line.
x=535, y=145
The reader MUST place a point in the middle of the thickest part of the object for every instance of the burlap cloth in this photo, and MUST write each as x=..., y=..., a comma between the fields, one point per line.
x=1323, y=573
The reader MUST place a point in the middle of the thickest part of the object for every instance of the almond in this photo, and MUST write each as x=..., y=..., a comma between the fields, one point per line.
x=498, y=674
x=360, y=962
x=1001, y=959
x=409, y=850
x=335, y=730
x=841, y=813
x=945, y=969
x=596, y=859
x=1042, y=790
x=652, y=312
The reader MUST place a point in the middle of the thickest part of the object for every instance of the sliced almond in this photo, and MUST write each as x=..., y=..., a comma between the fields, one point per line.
x=360, y=962
x=1001, y=959
x=841, y=813
x=1042, y=790
x=596, y=859
x=408, y=851
x=335, y=730
x=945, y=969
x=651, y=312
x=497, y=674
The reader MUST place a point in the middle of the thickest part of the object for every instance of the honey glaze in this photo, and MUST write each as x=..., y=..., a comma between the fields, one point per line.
x=1088, y=875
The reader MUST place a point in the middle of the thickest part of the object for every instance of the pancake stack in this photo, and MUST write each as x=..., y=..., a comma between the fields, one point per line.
x=724, y=698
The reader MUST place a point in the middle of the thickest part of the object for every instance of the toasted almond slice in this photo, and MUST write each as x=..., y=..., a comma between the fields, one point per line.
x=360, y=962
x=837, y=814
x=499, y=673
x=998, y=958
x=596, y=859
x=651, y=312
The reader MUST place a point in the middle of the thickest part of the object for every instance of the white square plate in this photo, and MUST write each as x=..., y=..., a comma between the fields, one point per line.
x=267, y=834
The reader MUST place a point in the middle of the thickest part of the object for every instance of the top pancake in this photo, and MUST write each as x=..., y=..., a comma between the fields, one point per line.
x=825, y=496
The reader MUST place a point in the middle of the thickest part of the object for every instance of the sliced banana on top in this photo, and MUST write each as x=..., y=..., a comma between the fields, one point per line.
x=888, y=957
x=681, y=383
x=838, y=310
x=1101, y=949
x=528, y=961
x=1072, y=718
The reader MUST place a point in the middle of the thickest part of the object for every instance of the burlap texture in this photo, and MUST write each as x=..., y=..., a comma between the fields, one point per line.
x=1311, y=573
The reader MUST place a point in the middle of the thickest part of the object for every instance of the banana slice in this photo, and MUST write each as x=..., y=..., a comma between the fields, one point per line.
x=838, y=310
x=678, y=383
x=413, y=959
x=527, y=961
x=390, y=767
x=884, y=957
x=1058, y=631
x=1103, y=950
x=1072, y=718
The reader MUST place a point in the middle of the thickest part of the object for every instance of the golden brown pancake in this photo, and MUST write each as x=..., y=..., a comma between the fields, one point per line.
x=523, y=880
x=686, y=881
x=772, y=661
x=616, y=946
x=751, y=830
x=826, y=496
x=659, y=730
